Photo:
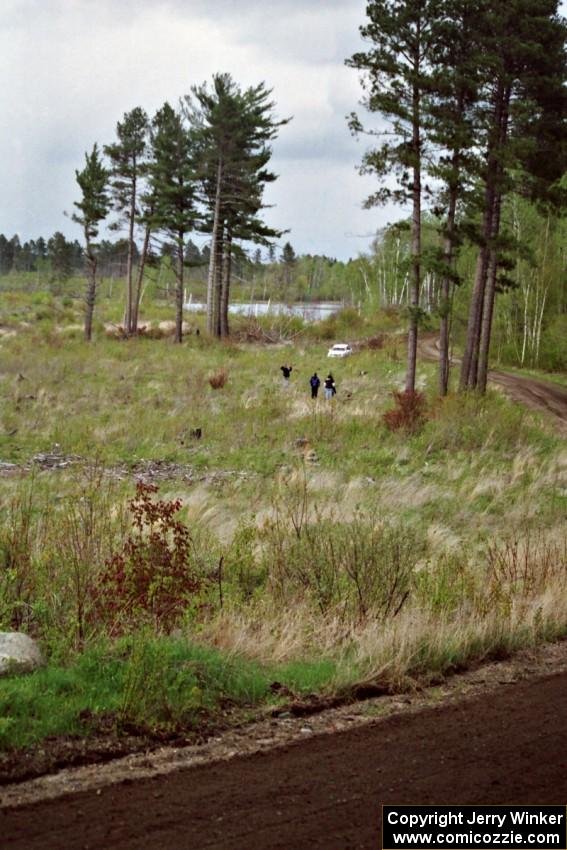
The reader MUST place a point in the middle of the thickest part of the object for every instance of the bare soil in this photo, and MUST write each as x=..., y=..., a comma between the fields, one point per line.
x=494, y=737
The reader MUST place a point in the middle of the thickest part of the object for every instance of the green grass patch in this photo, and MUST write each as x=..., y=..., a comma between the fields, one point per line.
x=154, y=683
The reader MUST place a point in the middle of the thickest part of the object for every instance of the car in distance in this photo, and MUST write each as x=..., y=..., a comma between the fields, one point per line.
x=339, y=350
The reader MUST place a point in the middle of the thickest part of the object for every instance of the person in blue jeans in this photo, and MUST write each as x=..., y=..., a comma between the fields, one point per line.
x=315, y=383
x=330, y=387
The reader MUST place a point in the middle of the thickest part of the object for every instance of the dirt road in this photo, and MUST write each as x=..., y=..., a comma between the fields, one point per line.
x=507, y=746
x=542, y=396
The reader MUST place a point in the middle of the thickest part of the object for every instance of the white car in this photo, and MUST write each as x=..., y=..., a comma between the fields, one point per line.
x=339, y=350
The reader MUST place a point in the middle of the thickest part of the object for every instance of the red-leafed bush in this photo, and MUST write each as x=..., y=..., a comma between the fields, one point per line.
x=409, y=413
x=152, y=580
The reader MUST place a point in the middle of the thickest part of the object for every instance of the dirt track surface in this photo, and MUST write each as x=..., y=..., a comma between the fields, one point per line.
x=537, y=395
x=505, y=746
x=542, y=396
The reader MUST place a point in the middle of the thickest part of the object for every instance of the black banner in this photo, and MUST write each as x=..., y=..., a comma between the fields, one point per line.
x=479, y=827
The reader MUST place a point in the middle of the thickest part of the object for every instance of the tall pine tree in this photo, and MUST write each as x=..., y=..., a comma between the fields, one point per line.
x=524, y=56
x=93, y=208
x=456, y=74
x=231, y=129
x=395, y=80
x=126, y=157
x=172, y=191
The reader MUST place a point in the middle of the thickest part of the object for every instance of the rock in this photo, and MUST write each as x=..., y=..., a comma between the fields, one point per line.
x=18, y=654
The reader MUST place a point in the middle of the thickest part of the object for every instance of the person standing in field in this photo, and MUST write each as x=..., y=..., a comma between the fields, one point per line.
x=286, y=372
x=315, y=383
x=330, y=387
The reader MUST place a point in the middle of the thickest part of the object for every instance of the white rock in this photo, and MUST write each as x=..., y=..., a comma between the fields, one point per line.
x=18, y=653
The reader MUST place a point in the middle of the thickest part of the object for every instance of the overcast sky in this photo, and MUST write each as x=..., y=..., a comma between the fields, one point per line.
x=71, y=68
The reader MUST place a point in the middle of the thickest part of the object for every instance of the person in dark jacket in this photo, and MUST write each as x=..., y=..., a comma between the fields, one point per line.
x=286, y=372
x=330, y=387
x=315, y=383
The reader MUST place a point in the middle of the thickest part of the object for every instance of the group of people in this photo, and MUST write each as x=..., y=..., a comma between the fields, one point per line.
x=329, y=385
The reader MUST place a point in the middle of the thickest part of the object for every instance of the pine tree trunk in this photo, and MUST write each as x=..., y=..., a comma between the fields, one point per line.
x=446, y=295
x=415, y=242
x=487, y=313
x=139, y=280
x=91, y=292
x=490, y=293
x=128, y=317
x=179, y=292
x=225, y=291
x=219, y=244
x=211, y=280
x=488, y=304
x=469, y=364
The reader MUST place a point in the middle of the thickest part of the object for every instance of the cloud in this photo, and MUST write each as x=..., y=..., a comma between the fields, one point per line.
x=75, y=66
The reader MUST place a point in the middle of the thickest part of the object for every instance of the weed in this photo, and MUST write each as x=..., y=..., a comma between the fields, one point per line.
x=409, y=413
x=16, y=574
x=523, y=565
x=219, y=379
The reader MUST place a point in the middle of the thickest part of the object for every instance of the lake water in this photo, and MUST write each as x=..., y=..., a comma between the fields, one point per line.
x=308, y=312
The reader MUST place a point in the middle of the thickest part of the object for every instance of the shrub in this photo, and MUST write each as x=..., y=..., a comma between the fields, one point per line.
x=524, y=565
x=409, y=413
x=374, y=343
x=152, y=580
x=219, y=379
x=360, y=568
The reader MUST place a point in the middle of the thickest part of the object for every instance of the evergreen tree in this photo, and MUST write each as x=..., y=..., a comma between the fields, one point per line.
x=172, y=188
x=395, y=79
x=524, y=54
x=60, y=255
x=16, y=253
x=26, y=260
x=41, y=248
x=241, y=220
x=93, y=208
x=5, y=254
x=456, y=74
x=231, y=130
x=289, y=257
x=126, y=158
x=193, y=255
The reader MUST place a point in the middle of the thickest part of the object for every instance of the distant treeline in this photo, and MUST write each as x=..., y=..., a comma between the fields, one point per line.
x=272, y=272
x=62, y=258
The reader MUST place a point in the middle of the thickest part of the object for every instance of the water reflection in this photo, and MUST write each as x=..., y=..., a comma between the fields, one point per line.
x=308, y=312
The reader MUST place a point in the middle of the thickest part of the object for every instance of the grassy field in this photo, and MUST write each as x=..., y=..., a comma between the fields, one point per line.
x=313, y=546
